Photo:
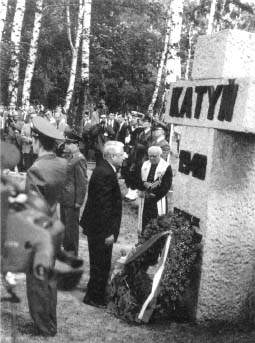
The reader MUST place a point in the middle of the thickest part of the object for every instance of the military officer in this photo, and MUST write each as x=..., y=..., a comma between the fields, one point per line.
x=46, y=177
x=74, y=192
x=159, y=139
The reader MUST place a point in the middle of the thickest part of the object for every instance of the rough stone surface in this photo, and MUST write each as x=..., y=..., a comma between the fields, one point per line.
x=191, y=194
x=227, y=54
x=243, y=115
x=225, y=200
x=229, y=251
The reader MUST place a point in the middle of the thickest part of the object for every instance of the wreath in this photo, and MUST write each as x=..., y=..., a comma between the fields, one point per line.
x=132, y=284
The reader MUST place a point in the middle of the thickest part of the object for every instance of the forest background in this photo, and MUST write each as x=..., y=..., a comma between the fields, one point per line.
x=126, y=40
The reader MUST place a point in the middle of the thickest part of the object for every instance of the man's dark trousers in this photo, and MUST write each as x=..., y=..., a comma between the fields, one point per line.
x=70, y=217
x=100, y=257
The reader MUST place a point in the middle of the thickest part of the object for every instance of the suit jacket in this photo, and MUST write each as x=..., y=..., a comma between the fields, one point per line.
x=102, y=214
x=46, y=177
x=100, y=134
x=74, y=189
x=123, y=132
x=114, y=124
x=144, y=138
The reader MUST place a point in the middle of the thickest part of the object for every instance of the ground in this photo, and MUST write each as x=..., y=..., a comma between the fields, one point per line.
x=82, y=323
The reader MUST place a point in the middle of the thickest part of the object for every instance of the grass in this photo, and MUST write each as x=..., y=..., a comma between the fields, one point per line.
x=81, y=323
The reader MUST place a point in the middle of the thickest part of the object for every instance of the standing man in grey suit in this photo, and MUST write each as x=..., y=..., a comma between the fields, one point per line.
x=101, y=220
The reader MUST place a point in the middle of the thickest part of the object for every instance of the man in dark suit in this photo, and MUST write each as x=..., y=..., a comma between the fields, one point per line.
x=123, y=132
x=159, y=139
x=100, y=134
x=85, y=133
x=113, y=123
x=101, y=220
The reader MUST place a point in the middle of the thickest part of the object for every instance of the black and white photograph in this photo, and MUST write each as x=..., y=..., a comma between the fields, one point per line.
x=127, y=171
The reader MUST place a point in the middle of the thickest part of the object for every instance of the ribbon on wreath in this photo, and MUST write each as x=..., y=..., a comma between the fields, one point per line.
x=150, y=303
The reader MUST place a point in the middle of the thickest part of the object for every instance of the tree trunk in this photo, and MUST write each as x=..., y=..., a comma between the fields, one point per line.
x=173, y=61
x=32, y=54
x=209, y=30
x=188, y=65
x=83, y=95
x=161, y=65
x=85, y=42
x=3, y=11
x=15, y=51
x=75, y=51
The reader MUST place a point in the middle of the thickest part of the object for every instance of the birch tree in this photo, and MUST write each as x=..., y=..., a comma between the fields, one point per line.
x=3, y=12
x=85, y=53
x=211, y=17
x=75, y=50
x=161, y=64
x=15, y=51
x=190, y=38
x=173, y=61
x=32, y=54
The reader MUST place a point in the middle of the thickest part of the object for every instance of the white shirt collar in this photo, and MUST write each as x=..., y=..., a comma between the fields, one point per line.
x=114, y=169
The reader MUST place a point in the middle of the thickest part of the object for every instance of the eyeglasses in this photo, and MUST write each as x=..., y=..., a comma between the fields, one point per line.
x=153, y=156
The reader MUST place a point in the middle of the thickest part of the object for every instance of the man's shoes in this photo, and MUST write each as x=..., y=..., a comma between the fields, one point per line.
x=93, y=303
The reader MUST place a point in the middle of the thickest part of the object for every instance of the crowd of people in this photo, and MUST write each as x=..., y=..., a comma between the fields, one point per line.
x=131, y=147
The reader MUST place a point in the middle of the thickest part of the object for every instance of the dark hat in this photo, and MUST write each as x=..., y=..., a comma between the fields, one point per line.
x=71, y=136
x=146, y=119
x=42, y=126
x=159, y=125
x=137, y=114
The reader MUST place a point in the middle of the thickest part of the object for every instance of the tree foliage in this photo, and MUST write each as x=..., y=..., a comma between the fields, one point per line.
x=125, y=47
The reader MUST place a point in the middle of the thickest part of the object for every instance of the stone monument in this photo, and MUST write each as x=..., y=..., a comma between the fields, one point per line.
x=215, y=182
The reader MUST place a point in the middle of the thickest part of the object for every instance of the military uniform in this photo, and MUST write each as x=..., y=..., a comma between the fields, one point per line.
x=73, y=195
x=46, y=177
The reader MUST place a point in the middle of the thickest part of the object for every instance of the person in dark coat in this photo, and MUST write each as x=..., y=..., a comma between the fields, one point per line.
x=156, y=176
x=159, y=139
x=100, y=134
x=113, y=123
x=85, y=133
x=46, y=177
x=123, y=132
x=73, y=195
x=101, y=220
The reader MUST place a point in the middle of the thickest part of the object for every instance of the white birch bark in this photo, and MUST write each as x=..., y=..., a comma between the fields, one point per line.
x=15, y=50
x=173, y=61
x=161, y=65
x=85, y=43
x=70, y=89
x=68, y=22
x=210, y=26
x=32, y=54
x=3, y=12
